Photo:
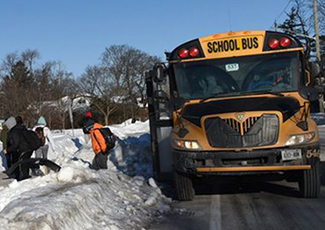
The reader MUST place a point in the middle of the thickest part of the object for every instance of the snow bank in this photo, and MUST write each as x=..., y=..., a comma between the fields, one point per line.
x=133, y=156
x=80, y=198
x=102, y=200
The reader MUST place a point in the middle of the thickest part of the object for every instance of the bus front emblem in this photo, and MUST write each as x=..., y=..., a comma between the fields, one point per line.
x=240, y=116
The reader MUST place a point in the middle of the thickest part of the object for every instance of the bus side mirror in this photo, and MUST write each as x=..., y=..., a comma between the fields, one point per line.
x=309, y=93
x=159, y=73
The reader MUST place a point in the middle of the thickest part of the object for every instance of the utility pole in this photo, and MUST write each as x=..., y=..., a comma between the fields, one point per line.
x=316, y=31
x=321, y=99
x=70, y=104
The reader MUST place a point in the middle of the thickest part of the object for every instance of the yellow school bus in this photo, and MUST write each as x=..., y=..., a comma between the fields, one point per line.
x=235, y=103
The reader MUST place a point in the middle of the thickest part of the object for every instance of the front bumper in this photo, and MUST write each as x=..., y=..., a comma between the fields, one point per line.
x=241, y=162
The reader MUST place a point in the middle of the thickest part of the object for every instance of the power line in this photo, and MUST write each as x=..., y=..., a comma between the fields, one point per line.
x=284, y=9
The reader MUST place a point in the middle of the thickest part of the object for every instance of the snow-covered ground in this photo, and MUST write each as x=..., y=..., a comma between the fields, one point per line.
x=122, y=197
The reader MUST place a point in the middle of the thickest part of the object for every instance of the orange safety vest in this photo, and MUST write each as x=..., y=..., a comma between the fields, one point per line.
x=97, y=139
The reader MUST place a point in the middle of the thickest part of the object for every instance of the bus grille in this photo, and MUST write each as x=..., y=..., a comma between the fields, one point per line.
x=242, y=129
x=253, y=132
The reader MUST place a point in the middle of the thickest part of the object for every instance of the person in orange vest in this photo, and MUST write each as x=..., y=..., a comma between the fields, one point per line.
x=99, y=145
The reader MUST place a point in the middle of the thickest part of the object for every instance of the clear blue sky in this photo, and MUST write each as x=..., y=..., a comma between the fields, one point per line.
x=76, y=32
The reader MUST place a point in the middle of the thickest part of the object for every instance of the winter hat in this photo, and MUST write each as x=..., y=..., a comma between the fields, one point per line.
x=88, y=114
x=41, y=121
x=10, y=122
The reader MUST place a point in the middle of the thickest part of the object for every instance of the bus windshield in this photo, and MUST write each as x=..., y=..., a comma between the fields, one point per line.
x=274, y=73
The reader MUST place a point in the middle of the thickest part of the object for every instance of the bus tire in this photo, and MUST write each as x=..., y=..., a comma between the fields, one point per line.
x=309, y=183
x=184, y=186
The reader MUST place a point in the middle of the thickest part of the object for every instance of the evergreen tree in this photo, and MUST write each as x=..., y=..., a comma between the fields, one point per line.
x=20, y=75
x=17, y=87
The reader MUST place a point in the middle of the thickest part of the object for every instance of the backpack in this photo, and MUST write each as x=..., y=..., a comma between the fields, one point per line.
x=32, y=139
x=109, y=137
x=40, y=133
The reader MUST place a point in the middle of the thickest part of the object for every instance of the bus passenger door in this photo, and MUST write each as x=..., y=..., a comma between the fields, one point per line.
x=160, y=118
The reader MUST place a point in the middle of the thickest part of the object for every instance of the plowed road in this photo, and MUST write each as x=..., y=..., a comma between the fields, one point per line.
x=245, y=204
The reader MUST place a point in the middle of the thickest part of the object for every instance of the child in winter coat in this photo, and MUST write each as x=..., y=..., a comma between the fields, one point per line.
x=44, y=133
x=98, y=144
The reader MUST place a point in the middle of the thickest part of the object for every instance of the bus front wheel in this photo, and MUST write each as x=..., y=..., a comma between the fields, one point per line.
x=184, y=186
x=309, y=182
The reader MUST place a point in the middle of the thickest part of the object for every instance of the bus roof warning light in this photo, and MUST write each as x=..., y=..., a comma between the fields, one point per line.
x=183, y=53
x=274, y=43
x=194, y=52
x=285, y=42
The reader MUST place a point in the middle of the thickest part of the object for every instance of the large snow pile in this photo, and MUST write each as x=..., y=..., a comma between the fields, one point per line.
x=80, y=198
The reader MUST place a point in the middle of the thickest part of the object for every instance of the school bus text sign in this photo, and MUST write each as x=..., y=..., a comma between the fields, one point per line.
x=228, y=47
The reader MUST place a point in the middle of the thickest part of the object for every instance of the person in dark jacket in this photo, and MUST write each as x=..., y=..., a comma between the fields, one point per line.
x=17, y=147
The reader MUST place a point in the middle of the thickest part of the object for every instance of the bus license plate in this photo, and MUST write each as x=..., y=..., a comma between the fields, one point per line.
x=291, y=154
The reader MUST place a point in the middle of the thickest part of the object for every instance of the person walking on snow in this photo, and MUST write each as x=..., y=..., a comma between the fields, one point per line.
x=99, y=145
x=44, y=133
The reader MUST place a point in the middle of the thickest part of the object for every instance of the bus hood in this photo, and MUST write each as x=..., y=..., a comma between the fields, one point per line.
x=288, y=106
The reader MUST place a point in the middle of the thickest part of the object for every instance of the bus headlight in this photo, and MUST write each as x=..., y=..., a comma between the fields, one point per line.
x=186, y=144
x=300, y=138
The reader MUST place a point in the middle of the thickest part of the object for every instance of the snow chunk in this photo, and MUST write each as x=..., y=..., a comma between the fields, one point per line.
x=151, y=201
x=66, y=174
x=152, y=183
x=14, y=184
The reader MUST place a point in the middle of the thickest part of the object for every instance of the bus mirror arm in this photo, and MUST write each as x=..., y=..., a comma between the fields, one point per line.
x=310, y=94
x=182, y=131
x=304, y=124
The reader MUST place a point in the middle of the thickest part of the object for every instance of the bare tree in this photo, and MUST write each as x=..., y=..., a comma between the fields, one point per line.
x=99, y=87
x=113, y=65
x=8, y=63
x=61, y=81
x=29, y=57
x=126, y=65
